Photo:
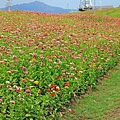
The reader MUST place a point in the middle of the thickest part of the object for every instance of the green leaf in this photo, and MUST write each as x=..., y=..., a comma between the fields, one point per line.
x=27, y=115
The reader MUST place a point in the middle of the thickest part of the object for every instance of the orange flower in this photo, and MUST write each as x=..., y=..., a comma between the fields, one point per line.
x=94, y=65
x=34, y=60
x=24, y=80
x=39, y=90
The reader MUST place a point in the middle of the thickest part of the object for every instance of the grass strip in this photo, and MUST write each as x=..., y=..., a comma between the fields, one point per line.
x=102, y=103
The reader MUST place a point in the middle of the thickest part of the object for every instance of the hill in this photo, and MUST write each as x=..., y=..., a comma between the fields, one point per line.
x=38, y=7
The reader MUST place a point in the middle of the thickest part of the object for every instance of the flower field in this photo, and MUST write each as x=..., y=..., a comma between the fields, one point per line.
x=46, y=59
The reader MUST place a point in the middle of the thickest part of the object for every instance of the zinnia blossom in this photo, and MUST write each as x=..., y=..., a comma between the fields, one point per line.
x=27, y=90
x=24, y=80
x=48, y=90
x=52, y=94
x=12, y=102
x=18, y=90
x=0, y=99
x=57, y=88
x=39, y=91
x=36, y=82
x=66, y=85
x=58, y=77
x=53, y=86
x=1, y=85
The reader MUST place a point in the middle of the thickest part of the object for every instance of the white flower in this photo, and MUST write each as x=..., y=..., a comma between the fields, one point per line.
x=7, y=82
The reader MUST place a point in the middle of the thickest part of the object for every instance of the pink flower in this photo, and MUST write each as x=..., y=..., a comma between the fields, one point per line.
x=25, y=72
x=10, y=89
x=36, y=47
x=63, y=74
x=21, y=51
x=101, y=68
x=22, y=99
x=94, y=60
x=18, y=90
x=85, y=58
x=1, y=85
x=9, y=72
x=33, y=55
x=57, y=66
x=41, y=57
x=58, y=38
x=59, y=62
x=29, y=94
x=26, y=87
x=12, y=102
x=0, y=100
x=3, y=47
x=27, y=90
x=23, y=68
x=73, y=57
x=14, y=86
x=14, y=57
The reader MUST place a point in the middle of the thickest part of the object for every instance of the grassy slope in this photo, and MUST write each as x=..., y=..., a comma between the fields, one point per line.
x=104, y=102
x=110, y=12
x=99, y=104
x=113, y=12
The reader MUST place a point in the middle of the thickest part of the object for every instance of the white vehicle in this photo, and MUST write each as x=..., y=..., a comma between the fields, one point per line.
x=85, y=5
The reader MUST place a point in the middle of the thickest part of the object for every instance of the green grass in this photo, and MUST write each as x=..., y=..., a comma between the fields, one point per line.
x=101, y=103
x=113, y=12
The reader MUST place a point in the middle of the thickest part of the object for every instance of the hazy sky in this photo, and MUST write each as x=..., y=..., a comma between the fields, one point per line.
x=72, y=4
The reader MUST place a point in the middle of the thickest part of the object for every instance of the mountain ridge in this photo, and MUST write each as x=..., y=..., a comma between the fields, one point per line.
x=38, y=7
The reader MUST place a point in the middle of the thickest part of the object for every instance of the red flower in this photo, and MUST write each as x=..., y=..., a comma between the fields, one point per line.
x=66, y=84
x=53, y=86
x=18, y=90
x=112, y=55
x=58, y=77
x=48, y=90
x=57, y=88
x=52, y=94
